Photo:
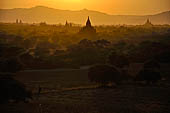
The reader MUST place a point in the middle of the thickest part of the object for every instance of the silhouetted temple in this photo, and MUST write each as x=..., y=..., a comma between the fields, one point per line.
x=18, y=21
x=148, y=23
x=88, y=30
x=88, y=23
x=68, y=24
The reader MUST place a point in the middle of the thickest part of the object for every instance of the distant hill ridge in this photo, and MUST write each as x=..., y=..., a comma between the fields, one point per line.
x=54, y=16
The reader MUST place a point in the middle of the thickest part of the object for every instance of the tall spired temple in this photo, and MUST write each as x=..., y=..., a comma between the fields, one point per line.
x=88, y=23
x=88, y=30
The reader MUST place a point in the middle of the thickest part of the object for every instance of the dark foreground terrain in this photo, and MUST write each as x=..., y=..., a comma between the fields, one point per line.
x=69, y=91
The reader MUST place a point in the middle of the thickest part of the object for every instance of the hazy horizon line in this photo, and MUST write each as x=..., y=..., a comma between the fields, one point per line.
x=84, y=9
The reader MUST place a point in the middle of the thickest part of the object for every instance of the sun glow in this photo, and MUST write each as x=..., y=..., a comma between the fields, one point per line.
x=72, y=1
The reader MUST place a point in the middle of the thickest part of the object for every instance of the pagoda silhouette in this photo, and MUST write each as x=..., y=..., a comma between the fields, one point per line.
x=68, y=24
x=88, y=23
x=88, y=30
x=148, y=23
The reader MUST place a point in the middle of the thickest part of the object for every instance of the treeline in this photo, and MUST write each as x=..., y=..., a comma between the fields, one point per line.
x=49, y=46
x=62, y=36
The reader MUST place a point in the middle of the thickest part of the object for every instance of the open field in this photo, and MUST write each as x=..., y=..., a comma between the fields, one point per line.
x=69, y=91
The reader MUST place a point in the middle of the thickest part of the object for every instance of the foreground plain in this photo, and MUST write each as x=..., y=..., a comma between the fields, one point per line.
x=69, y=91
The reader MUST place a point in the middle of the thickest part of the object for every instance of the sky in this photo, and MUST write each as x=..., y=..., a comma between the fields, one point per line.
x=117, y=7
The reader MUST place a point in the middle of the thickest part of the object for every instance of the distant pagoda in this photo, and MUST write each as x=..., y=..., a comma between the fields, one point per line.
x=148, y=23
x=18, y=21
x=88, y=30
x=68, y=24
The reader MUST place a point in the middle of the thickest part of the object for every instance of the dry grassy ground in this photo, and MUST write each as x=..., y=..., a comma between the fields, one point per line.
x=69, y=91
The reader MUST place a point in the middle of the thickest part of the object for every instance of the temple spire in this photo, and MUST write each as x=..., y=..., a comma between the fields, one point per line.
x=88, y=23
x=66, y=24
x=88, y=30
x=148, y=23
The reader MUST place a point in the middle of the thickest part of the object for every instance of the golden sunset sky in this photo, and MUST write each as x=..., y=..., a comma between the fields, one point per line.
x=122, y=7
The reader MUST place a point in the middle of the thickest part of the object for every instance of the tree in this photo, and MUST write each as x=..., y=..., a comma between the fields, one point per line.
x=85, y=43
x=118, y=60
x=12, y=89
x=104, y=74
x=149, y=76
x=152, y=64
x=101, y=43
x=163, y=57
x=11, y=65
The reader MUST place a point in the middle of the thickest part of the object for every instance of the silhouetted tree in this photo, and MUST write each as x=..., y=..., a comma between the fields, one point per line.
x=152, y=64
x=11, y=65
x=118, y=60
x=101, y=43
x=12, y=89
x=104, y=74
x=43, y=23
x=85, y=43
x=148, y=75
x=163, y=57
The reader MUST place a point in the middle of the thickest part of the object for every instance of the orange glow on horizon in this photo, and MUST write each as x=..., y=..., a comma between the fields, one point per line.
x=133, y=7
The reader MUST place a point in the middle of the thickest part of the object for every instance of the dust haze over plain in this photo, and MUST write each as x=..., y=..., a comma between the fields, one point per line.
x=114, y=7
x=54, y=16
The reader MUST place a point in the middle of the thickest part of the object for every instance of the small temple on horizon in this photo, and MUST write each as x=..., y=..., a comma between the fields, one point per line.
x=18, y=21
x=88, y=30
x=148, y=23
x=68, y=24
